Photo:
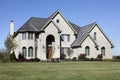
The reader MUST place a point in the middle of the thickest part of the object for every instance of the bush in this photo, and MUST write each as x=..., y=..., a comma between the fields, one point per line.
x=74, y=59
x=91, y=59
x=21, y=58
x=62, y=56
x=82, y=56
x=117, y=57
x=99, y=56
x=37, y=59
x=12, y=57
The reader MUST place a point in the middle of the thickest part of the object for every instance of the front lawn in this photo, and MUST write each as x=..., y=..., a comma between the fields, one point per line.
x=60, y=71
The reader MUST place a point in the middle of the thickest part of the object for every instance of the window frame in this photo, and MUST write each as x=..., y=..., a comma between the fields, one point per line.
x=24, y=51
x=23, y=36
x=65, y=37
x=30, y=52
x=30, y=36
x=95, y=36
x=103, y=51
x=87, y=50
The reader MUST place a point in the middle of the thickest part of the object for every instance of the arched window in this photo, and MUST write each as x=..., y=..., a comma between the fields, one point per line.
x=30, y=52
x=24, y=51
x=103, y=51
x=95, y=35
x=87, y=50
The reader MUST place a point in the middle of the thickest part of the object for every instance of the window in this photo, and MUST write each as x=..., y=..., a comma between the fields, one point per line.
x=65, y=37
x=87, y=50
x=23, y=36
x=103, y=51
x=24, y=51
x=95, y=35
x=30, y=36
x=30, y=52
x=65, y=50
x=57, y=21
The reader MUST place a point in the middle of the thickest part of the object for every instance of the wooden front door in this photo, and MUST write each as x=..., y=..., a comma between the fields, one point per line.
x=49, y=52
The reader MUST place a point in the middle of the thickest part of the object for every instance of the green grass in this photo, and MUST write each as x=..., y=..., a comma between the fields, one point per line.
x=60, y=71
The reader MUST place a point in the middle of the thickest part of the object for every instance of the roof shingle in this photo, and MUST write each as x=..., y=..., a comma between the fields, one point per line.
x=83, y=32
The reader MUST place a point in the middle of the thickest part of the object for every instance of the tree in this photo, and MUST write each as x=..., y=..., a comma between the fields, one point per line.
x=10, y=45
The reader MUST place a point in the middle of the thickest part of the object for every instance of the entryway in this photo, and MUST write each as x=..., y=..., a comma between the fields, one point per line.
x=49, y=47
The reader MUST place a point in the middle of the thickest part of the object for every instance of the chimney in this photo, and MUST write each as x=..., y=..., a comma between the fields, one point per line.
x=11, y=28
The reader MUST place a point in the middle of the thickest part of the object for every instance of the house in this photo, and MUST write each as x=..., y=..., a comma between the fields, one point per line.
x=47, y=38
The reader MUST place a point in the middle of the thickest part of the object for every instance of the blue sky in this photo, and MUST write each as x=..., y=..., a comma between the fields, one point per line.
x=80, y=12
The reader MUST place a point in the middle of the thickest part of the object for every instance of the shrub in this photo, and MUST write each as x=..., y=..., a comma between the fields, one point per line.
x=21, y=57
x=82, y=56
x=99, y=56
x=117, y=57
x=92, y=59
x=12, y=57
x=62, y=56
x=74, y=59
x=37, y=59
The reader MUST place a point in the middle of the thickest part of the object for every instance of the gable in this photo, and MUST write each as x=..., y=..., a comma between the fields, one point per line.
x=101, y=36
x=89, y=30
x=51, y=27
x=83, y=33
x=62, y=23
x=88, y=41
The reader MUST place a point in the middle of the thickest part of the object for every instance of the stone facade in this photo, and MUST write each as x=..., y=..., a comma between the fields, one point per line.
x=59, y=36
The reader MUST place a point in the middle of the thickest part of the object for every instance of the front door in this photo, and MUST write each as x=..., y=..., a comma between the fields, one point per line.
x=49, y=40
x=50, y=52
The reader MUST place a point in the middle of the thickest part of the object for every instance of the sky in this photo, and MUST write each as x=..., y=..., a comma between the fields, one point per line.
x=80, y=12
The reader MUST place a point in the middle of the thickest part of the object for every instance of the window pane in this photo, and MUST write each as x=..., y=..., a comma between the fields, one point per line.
x=30, y=52
x=24, y=51
x=68, y=36
x=30, y=35
x=95, y=35
x=23, y=36
x=103, y=50
x=62, y=50
x=87, y=50
x=65, y=37
x=62, y=36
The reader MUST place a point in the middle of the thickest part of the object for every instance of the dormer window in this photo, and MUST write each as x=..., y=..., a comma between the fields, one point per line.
x=94, y=35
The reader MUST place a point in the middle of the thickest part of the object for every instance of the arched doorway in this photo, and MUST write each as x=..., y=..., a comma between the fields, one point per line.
x=49, y=47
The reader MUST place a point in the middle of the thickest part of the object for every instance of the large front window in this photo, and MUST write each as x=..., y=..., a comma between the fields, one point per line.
x=30, y=35
x=65, y=37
